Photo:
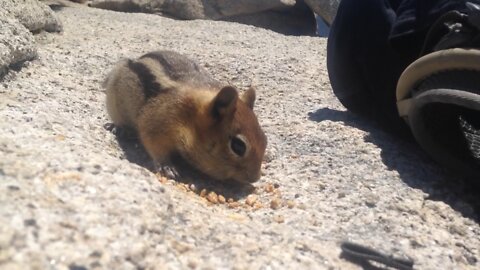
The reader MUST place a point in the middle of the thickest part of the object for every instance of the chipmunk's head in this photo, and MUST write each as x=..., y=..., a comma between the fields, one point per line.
x=231, y=142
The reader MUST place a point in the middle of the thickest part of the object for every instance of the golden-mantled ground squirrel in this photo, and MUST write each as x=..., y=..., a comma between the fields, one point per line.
x=178, y=109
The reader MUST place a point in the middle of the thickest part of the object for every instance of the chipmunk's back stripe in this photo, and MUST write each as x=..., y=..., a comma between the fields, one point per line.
x=163, y=62
x=150, y=86
x=169, y=67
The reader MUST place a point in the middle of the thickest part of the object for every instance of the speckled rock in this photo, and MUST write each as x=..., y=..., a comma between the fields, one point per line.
x=288, y=17
x=18, y=18
x=327, y=9
x=32, y=14
x=194, y=9
x=71, y=198
x=17, y=44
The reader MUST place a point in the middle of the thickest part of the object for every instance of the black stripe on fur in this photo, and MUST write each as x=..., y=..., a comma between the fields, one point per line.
x=151, y=87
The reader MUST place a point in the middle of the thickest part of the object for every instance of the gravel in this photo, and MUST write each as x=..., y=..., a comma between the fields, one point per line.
x=71, y=199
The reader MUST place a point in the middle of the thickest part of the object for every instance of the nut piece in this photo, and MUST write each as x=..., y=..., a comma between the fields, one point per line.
x=302, y=206
x=257, y=205
x=251, y=199
x=212, y=197
x=180, y=247
x=221, y=199
x=268, y=188
x=279, y=218
x=162, y=178
x=182, y=187
x=290, y=204
x=275, y=203
x=233, y=204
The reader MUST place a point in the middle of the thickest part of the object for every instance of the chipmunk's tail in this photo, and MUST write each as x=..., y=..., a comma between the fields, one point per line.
x=120, y=63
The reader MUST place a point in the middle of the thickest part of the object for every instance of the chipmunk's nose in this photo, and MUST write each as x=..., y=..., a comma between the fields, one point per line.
x=253, y=176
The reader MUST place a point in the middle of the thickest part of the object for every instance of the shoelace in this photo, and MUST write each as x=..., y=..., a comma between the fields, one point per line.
x=361, y=253
x=454, y=29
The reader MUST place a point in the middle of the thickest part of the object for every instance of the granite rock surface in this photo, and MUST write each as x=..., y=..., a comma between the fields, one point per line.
x=194, y=9
x=72, y=196
x=18, y=20
x=17, y=44
x=33, y=14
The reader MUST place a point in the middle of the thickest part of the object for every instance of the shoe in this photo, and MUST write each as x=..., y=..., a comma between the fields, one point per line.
x=438, y=95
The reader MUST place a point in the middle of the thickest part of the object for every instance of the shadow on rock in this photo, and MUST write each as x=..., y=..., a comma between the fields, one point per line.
x=133, y=149
x=460, y=193
x=187, y=174
x=56, y=6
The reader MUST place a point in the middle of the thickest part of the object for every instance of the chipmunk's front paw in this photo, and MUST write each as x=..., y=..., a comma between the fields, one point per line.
x=121, y=132
x=169, y=172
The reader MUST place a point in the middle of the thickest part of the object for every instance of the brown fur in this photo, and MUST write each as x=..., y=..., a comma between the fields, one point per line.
x=177, y=108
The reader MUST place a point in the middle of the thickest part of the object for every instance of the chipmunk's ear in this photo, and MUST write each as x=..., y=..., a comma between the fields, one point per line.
x=248, y=97
x=225, y=103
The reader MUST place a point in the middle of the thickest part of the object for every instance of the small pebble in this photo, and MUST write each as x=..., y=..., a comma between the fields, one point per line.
x=458, y=229
x=230, y=200
x=193, y=187
x=77, y=267
x=13, y=188
x=192, y=264
x=180, y=247
x=371, y=200
x=203, y=193
x=30, y=222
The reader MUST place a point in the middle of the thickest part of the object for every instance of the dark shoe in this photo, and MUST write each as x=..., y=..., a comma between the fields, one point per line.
x=439, y=97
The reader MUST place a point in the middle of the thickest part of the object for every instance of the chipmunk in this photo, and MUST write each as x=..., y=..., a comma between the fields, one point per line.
x=178, y=109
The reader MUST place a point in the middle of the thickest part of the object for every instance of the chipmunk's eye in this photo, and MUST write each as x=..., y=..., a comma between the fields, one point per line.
x=238, y=146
